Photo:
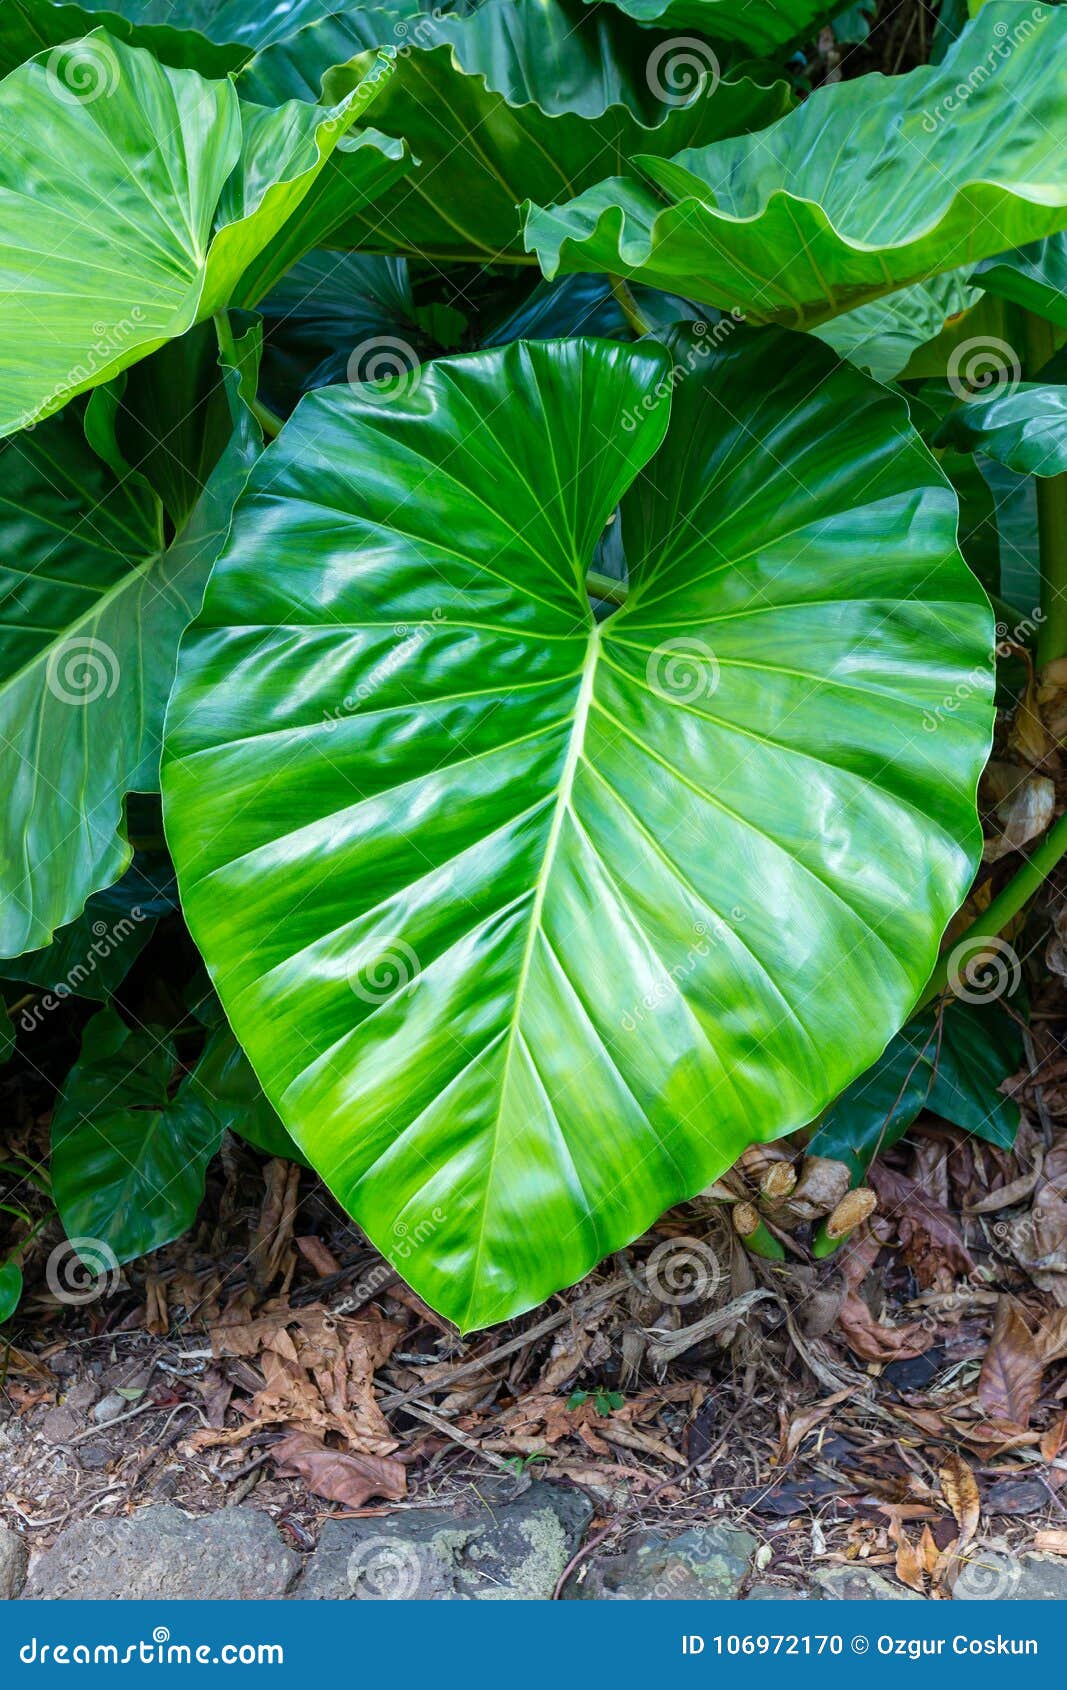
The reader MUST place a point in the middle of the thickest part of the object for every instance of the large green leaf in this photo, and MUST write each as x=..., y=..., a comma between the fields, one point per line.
x=92, y=605
x=952, y=1062
x=870, y=186
x=529, y=924
x=762, y=25
x=1034, y=277
x=132, y=202
x=128, y=1158
x=1023, y=427
x=522, y=99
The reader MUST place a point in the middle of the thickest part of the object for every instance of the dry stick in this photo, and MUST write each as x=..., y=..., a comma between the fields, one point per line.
x=401, y=1399
x=672, y=1479
x=456, y=1436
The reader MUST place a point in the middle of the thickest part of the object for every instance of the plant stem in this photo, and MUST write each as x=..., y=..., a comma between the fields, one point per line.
x=1040, y=344
x=628, y=306
x=268, y=422
x=605, y=587
x=1007, y=903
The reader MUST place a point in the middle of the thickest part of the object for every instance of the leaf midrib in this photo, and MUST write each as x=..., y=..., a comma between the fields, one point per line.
x=579, y=721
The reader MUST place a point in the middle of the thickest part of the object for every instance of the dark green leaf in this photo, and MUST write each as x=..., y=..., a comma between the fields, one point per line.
x=10, y=1289
x=1034, y=277
x=952, y=1064
x=128, y=1158
x=88, y=958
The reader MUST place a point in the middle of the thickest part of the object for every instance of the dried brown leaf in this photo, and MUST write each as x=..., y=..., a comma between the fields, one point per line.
x=339, y=1475
x=1010, y=1381
x=960, y=1490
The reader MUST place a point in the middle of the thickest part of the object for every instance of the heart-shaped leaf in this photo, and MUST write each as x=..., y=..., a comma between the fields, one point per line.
x=516, y=100
x=530, y=923
x=867, y=188
x=133, y=199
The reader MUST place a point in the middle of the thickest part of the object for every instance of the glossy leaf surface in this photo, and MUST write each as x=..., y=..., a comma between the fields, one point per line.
x=870, y=186
x=1024, y=428
x=131, y=205
x=93, y=605
x=519, y=100
x=762, y=25
x=530, y=924
x=952, y=1064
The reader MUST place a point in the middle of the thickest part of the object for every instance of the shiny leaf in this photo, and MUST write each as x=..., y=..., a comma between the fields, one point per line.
x=762, y=25
x=519, y=100
x=1034, y=277
x=530, y=923
x=1024, y=427
x=133, y=198
x=870, y=186
x=93, y=604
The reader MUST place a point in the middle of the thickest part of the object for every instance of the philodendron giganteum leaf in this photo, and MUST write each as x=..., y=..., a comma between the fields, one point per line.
x=529, y=923
x=517, y=100
x=133, y=198
x=92, y=605
x=1034, y=277
x=762, y=25
x=870, y=186
x=1024, y=427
